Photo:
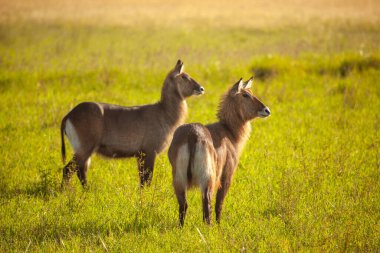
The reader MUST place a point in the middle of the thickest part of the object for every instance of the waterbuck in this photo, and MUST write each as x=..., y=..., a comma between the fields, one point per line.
x=207, y=155
x=116, y=131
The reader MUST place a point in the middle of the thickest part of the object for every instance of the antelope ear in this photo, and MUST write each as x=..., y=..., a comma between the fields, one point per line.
x=248, y=84
x=237, y=86
x=178, y=69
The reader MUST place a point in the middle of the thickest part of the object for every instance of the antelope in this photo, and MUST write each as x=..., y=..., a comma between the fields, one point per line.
x=207, y=155
x=115, y=131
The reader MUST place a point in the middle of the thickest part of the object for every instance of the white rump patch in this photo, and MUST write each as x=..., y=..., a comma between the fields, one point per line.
x=202, y=170
x=88, y=163
x=182, y=163
x=72, y=136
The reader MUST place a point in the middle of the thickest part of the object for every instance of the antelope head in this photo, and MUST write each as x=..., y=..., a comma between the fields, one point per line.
x=246, y=104
x=185, y=85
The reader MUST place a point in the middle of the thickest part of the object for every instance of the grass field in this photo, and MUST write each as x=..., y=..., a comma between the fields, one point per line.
x=308, y=179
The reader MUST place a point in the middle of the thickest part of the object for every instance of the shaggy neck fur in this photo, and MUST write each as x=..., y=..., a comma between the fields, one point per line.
x=230, y=116
x=173, y=103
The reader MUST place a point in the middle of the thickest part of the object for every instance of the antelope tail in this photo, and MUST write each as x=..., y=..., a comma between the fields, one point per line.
x=63, y=149
x=192, y=143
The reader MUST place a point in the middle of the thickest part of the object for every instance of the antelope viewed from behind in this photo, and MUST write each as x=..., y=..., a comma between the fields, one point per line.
x=207, y=155
x=116, y=131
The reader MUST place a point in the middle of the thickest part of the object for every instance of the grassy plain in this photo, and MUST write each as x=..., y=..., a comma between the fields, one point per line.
x=308, y=179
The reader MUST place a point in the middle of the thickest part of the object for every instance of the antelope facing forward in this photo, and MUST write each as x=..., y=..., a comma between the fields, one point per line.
x=207, y=156
x=116, y=131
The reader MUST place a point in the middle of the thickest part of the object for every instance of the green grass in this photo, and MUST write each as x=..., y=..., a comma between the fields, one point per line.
x=308, y=179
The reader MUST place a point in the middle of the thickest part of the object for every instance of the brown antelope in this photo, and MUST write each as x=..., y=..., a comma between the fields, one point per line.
x=115, y=131
x=207, y=156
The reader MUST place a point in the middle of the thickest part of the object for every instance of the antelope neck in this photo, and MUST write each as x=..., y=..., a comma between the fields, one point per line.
x=239, y=130
x=172, y=103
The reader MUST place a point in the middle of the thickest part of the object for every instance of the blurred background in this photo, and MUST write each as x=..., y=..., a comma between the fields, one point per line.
x=241, y=13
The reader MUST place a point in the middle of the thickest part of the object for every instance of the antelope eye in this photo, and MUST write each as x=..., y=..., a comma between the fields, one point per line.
x=184, y=77
x=245, y=95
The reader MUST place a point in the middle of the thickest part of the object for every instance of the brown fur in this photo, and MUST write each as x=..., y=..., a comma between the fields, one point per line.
x=116, y=131
x=223, y=143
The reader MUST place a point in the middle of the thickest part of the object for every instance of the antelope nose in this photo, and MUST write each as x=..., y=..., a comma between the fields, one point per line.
x=200, y=90
x=265, y=112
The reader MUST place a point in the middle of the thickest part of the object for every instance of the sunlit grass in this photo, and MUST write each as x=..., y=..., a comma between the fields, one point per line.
x=308, y=179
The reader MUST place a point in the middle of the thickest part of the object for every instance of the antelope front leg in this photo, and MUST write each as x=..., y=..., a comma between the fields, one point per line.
x=146, y=165
x=220, y=195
